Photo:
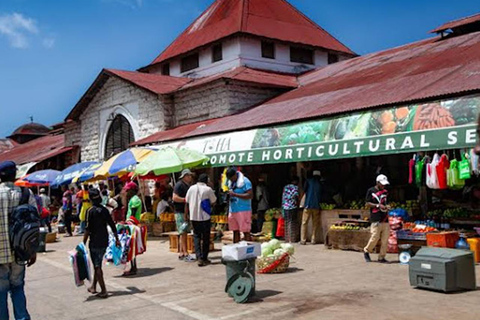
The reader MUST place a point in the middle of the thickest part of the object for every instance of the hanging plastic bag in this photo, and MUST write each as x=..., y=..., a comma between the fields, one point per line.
x=419, y=172
x=464, y=169
x=454, y=181
x=432, y=178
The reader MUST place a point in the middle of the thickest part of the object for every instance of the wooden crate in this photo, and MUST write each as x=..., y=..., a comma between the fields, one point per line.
x=159, y=228
x=51, y=237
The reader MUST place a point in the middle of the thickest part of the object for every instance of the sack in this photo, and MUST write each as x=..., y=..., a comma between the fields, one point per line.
x=24, y=229
x=464, y=169
x=206, y=206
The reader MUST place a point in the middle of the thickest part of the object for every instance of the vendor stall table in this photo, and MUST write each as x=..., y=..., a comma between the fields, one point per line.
x=330, y=217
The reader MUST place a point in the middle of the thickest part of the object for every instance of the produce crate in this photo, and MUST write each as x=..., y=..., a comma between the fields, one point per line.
x=51, y=237
x=442, y=239
x=409, y=235
x=161, y=227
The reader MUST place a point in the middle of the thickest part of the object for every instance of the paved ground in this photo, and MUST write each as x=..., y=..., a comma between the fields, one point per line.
x=322, y=284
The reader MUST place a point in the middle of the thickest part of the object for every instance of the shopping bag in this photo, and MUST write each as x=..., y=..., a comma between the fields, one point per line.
x=454, y=181
x=280, y=228
x=432, y=178
x=464, y=170
x=419, y=172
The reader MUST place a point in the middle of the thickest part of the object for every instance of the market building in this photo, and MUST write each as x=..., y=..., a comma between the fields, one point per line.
x=236, y=55
x=270, y=91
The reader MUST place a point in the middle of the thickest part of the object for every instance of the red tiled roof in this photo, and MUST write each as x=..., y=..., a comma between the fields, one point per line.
x=159, y=84
x=265, y=78
x=154, y=83
x=457, y=23
x=36, y=150
x=274, y=19
x=425, y=70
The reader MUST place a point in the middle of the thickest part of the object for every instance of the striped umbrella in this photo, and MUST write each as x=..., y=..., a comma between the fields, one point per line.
x=42, y=177
x=66, y=176
x=122, y=163
x=87, y=174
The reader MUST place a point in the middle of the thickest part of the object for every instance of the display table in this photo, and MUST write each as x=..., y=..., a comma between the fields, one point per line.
x=330, y=217
x=347, y=239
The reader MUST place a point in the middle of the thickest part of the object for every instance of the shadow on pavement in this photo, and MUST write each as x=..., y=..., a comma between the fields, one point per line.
x=111, y=294
x=260, y=295
x=146, y=272
x=293, y=270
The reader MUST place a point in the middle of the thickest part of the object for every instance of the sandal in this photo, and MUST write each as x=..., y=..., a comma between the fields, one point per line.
x=103, y=295
x=129, y=273
x=92, y=291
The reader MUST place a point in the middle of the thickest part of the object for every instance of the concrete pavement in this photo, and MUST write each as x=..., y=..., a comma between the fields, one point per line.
x=321, y=284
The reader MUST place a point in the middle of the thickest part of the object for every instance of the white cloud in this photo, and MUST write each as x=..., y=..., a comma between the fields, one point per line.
x=17, y=28
x=48, y=42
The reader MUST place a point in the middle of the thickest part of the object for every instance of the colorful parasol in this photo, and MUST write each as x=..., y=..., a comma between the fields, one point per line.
x=169, y=160
x=66, y=176
x=122, y=163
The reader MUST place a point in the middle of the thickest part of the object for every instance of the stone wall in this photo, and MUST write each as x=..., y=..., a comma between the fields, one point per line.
x=218, y=99
x=145, y=111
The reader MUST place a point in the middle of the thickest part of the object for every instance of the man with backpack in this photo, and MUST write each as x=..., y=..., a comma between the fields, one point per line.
x=19, y=229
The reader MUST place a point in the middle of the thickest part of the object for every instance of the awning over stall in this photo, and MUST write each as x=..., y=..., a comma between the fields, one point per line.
x=440, y=125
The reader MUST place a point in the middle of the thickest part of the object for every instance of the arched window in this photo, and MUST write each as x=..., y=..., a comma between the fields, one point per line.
x=119, y=136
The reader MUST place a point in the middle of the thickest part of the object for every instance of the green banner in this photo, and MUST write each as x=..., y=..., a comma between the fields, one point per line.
x=439, y=125
x=441, y=139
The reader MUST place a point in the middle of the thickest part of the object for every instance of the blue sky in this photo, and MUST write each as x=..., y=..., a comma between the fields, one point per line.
x=52, y=50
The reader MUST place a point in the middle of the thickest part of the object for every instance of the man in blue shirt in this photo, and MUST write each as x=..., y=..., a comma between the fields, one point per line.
x=240, y=215
x=312, y=191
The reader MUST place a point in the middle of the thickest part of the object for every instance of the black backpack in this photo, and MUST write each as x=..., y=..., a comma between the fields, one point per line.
x=24, y=229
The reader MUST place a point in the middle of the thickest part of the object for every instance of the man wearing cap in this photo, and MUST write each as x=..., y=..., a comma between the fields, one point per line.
x=313, y=191
x=179, y=193
x=12, y=274
x=240, y=215
x=376, y=200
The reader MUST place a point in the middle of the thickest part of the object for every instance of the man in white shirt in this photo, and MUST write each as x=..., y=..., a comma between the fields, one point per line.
x=199, y=200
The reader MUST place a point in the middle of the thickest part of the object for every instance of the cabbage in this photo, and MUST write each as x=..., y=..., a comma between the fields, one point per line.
x=266, y=252
x=279, y=252
x=265, y=245
x=288, y=247
x=275, y=244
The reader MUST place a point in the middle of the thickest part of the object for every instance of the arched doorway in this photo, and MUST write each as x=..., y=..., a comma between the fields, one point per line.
x=119, y=137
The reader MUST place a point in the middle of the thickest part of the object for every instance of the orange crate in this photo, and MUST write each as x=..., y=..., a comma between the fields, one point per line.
x=442, y=239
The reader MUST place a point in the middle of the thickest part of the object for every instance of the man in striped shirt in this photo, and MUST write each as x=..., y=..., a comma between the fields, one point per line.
x=12, y=275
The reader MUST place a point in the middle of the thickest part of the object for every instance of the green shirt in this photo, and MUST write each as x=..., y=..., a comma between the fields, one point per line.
x=134, y=208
